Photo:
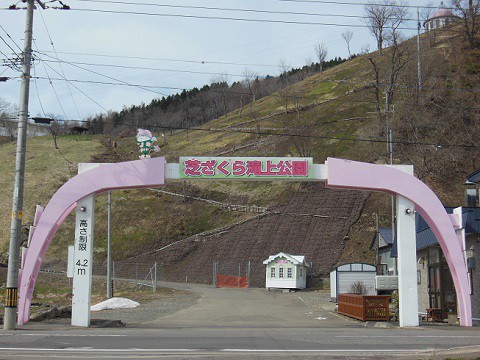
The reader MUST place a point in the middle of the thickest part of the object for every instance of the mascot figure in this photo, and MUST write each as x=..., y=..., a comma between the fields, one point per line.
x=145, y=141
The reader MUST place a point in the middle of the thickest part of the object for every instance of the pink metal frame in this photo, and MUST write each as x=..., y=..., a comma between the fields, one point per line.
x=362, y=176
x=133, y=174
x=151, y=173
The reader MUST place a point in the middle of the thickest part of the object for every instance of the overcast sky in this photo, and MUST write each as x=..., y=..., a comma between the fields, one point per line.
x=119, y=53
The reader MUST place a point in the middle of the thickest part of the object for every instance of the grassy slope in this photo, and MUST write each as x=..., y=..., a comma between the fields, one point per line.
x=46, y=171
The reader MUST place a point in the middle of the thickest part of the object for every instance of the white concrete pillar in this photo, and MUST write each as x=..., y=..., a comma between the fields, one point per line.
x=82, y=270
x=407, y=262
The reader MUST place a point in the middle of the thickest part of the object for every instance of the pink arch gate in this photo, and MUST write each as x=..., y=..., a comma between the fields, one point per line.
x=411, y=194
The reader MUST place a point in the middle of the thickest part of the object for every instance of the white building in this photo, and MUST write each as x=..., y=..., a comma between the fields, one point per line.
x=439, y=19
x=344, y=276
x=285, y=271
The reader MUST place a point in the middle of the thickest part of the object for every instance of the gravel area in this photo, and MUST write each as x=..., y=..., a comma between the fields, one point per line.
x=318, y=299
x=150, y=310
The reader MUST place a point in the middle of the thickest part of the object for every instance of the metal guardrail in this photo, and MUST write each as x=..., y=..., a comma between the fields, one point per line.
x=364, y=307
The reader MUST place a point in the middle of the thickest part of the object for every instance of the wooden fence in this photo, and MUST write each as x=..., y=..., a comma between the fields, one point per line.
x=364, y=307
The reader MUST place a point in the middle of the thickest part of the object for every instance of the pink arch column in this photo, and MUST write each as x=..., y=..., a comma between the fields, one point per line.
x=127, y=175
x=363, y=176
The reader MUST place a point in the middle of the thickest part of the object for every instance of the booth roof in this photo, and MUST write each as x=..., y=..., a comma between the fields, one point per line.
x=295, y=259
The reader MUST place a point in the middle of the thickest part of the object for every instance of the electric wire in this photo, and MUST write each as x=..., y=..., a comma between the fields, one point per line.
x=120, y=82
x=8, y=45
x=51, y=84
x=5, y=31
x=76, y=87
x=37, y=91
x=61, y=67
x=202, y=62
x=362, y=4
x=289, y=22
x=228, y=9
x=271, y=133
x=140, y=68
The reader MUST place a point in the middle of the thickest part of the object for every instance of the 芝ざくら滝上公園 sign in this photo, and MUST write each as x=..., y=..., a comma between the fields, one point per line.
x=246, y=168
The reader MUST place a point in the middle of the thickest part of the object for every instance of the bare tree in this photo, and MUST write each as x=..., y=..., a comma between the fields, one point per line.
x=321, y=54
x=219, y=83
x=426, y=11
x=386, y=74
x=377, y=16
x=468, y=11
x=7, y=119
x=385, y=16
x=285, y=93
x=398, y=15
x=308, y=66
x=249, y=77
x=365, y=49
x=347, y=36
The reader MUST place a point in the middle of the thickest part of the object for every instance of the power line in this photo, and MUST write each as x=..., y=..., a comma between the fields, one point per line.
x=69, y=82
x=227, y=9
x=112, y=78
x=8, y=45
x=51, y=84
x=361, y=4
x=61, y=67
x=369, y=84
x=202, y=62
x=140, y=68
x=271, y=133
x=11, y=39
x=291, y=22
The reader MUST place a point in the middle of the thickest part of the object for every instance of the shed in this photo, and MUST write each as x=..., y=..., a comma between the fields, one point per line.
x=285, y=271
x=344, y=276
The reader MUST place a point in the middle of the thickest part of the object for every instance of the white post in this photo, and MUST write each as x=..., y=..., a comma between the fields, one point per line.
x=407, y=260
x=82, y=271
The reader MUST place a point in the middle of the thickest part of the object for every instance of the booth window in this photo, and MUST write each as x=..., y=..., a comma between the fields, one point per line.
x=280, y=273
x=289, y=273
x=272, y=272
x=301, y=273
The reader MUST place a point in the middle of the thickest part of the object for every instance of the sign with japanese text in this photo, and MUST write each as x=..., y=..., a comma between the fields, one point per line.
x=242, y=168
x=82, y=261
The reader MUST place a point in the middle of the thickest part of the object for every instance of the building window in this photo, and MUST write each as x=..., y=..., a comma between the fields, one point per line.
x=289, y=273
x=272, y=272
x=301, y=273
x=280, y=273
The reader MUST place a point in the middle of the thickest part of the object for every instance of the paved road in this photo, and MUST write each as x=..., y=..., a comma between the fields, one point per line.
x=233, y=323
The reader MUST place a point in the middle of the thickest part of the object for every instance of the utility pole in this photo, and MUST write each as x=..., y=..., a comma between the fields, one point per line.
x=390, y=152
x=11, y=300
x=420, y=84
x=109, y=247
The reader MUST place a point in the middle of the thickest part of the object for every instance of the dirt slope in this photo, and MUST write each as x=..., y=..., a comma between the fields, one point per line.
x=314, y=222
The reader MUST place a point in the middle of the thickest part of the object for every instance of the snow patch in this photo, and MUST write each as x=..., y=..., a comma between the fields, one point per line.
x=115, y=303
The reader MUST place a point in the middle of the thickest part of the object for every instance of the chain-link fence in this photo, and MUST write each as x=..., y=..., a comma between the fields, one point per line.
x=144, y=274
x=231, y=274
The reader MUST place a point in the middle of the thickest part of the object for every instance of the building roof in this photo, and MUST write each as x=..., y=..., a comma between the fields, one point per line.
x=386, y=238
x=295, y=259
x=355, y=267
x=474, y=177
x=441, y=13
x=426, y=237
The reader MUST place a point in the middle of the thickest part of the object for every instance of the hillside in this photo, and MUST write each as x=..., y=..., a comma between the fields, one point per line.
x=333, y=113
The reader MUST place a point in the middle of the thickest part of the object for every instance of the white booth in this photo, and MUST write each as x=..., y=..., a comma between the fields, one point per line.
x=285, y=271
